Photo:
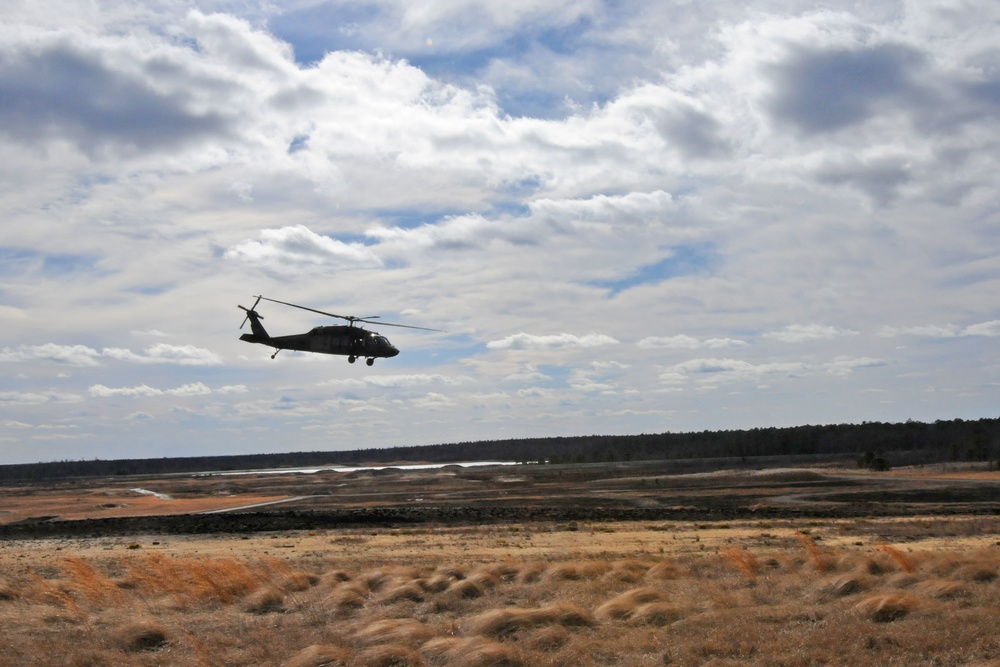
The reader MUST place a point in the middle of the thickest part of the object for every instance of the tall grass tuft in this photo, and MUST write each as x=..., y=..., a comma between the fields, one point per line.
x=665, y=570
x=466, y=590
x=470, y=652
x=89, y=582
x=623, y=606
x=743, y=561
x=575, y=571
x=657, y=613
x=346, y=600
x=388, y=655
x=8, y=591
x=142, y=636
x=402, y=591
x=548, y=638
x=265, y=600
x=49, y=593
x=218, y=579
x=822, y=561
x=406, y=631
x=320, y=655
x=844, y=585
x=904, y=562
x=503, y=622
x=887, y=607
x=626, y=572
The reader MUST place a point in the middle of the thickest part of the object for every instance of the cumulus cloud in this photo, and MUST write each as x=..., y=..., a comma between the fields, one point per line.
x=843, y=366
x=145, y=391
x=925, y=331
x=800, y=333
x=634, y=208
x=141, y=391
x=297, y=249
x=990, y=329
x=184, y=355
x=73, y=355
x=17, y=398
x=726, y=369
x=12, y=313
x=528, y=373
x=104, y=94
x=397, y=381
x=827, y=88
x=81, y=355
x=685, y=342
x=433, y=401
x=524, y=341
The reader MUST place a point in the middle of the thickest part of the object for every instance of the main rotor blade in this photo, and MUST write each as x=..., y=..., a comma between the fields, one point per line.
x=404, y=326
x=351, y=318
x=312, y=310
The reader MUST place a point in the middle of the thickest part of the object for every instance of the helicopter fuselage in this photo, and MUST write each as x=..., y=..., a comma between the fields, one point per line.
x=350, y=341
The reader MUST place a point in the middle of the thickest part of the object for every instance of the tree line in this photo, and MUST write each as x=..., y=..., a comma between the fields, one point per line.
x=873, y=444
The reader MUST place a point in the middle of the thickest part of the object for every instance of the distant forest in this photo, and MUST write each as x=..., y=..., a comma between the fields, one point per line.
x=870, y=444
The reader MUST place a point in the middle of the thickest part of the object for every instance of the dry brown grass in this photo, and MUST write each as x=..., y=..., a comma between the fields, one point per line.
x=904, y=562
x=792, y=603
x=320, y=655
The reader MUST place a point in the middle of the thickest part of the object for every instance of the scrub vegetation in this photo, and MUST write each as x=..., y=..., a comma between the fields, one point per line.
x=775, y=597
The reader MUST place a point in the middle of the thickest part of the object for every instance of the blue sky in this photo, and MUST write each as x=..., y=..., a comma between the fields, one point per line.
x=628, y=217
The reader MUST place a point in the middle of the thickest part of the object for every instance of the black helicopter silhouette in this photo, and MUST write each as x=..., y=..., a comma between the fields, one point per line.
x=345, y=339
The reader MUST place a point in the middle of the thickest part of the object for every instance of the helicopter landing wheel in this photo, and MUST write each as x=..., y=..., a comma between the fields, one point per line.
x=351, y=359
x=370, y=361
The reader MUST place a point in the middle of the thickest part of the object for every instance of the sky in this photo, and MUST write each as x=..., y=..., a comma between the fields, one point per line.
x=626, y=217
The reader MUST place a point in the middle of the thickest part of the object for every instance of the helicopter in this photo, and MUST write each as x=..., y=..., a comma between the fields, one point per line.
x=347, y=340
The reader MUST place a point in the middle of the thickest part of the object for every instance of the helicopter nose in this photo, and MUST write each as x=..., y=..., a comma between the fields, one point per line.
x=392, y=352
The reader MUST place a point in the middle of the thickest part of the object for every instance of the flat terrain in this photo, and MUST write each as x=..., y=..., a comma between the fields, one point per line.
x=254, y=502
x=503, y=566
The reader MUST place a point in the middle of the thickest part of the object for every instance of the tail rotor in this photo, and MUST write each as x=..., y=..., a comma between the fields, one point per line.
x=251, y=309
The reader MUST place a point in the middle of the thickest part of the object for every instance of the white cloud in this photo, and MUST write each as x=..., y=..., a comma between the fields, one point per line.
x=43, y=397
x=926, y=331
x=162, y=353
x=74, y=355
x=11, y=313
x=397, y=381
x=433, y=401
x=141, y=391
x=714, y=370
x=843, y=366
x=81, y=355
x=526, y=374
x=990, y=328
x=193, y=389
x=799, y=333
x=685, y=342
x=145, y=391
x=524, y=341
x=297, y=249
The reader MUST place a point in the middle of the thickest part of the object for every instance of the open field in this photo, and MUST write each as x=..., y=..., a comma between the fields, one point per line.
x=602, y=567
